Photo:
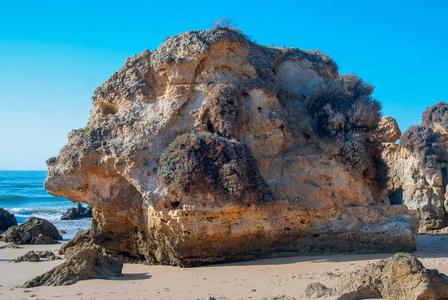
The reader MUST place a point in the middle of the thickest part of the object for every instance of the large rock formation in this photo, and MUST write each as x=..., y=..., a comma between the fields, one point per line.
x=212, y=148
x=417, y=168
x=400, y=277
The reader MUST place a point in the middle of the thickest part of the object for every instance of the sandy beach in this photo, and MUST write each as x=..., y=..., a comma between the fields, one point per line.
x=243, y=280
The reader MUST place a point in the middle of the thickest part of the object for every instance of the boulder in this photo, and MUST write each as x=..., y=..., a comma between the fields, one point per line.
x=214, y=149
x=6, y=219
x=85, y=264
x=77, y=212
x=400, y=277
x=33, y=231
x=388, y=130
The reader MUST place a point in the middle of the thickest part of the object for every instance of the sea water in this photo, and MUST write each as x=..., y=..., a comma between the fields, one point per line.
x=22, y=193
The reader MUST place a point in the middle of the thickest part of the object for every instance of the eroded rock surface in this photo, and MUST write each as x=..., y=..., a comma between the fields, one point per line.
x=400, y=277
x=422, y=192
x=6, y=219
x=212, y=148
x=85, y=264
x=417, y=168
x=33, y=231
x=82, y=240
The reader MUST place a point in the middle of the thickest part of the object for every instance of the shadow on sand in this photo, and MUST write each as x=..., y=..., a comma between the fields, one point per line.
x=428, y=246
x=132, y=276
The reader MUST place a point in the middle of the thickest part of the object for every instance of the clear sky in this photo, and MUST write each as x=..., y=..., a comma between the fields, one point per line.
x=53, y=54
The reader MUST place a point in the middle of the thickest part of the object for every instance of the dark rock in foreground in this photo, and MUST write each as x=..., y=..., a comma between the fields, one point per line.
x=6, y=219
x=33, y=231
x=401, y=276
x=77, y=212
x=35, y=256
x=85, y=264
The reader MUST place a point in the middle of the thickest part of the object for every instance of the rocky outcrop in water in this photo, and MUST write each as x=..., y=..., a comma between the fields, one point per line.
x=6, y=219
x=213, y=148
x=400, y=277
x=85, y=264
x=78, y=212
x=33, y=231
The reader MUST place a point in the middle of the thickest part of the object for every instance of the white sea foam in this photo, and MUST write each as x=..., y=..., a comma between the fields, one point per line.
x=22, y=194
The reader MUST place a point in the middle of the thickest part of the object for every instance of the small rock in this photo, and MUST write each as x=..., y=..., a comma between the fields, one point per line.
x=388, y=130
x=30, y=256
x=85, y=264
x=317, y=290
x=35, y=256
x=11, y=245
x=61, y=231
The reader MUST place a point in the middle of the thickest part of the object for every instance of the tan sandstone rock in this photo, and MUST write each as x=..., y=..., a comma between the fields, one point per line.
x=400, y=277
x=388, y=130
x=422, y=193
x=265, y=183
x=419, y=180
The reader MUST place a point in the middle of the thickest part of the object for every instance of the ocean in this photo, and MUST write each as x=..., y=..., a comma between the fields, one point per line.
x=22, y=193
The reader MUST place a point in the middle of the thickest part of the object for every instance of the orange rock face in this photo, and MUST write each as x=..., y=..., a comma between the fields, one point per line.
x=302, y=199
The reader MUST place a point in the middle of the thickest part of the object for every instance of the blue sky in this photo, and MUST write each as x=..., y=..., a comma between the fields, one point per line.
x=53, y=54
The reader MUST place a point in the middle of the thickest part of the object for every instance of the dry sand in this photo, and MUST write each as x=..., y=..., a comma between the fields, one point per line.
x=243, y=280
